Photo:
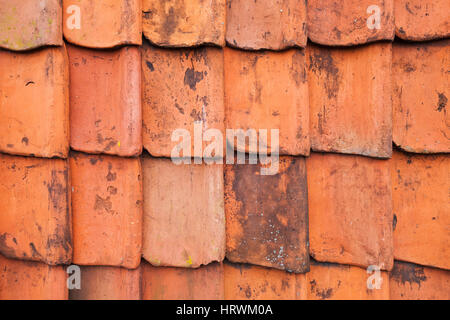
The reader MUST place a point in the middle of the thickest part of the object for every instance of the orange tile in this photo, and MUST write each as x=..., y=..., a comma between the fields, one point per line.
x=350, y=99
x=26, y=280
x=166, y=283
x=413, y=282
x=184, y=23
x=267, y=216
x=105, y=98
x=246, y=282
x=29, y=24
x=107, y=210
x=179, y=88
x=350, y=22
x=350, y=210
x=269, y=90
x=108, y=283
x=35, y=219
x=102, y=23
x=328, y=281
x=183, y=213
x=420, y=20
x=34, y=100
x=420, y=186
x=420, y=96
x=271, y=25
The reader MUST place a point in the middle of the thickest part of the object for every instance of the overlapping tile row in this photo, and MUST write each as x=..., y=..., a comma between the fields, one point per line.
x=88, y=127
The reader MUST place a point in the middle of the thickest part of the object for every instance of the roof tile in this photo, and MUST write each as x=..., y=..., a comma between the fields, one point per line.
x=272, y=25
x=420, y=186
x=105, y=97
x=35, y=219
x=102, y=23
x=268, y=90
x=352, y=195
x=107, y=210
x=421, y=82
x=183, y=213
x=34, y=95
x=350, y=99
x=29, y=24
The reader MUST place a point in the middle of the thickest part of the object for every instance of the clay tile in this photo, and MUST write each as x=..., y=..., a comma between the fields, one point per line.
x=268, y=90
x=35, y=219
x=102, y=23
x=350, y=99
x=420, y=20
x=420, y=186
x=166, y=283
x=350, y=210
x=184, y=23
x=105, y=97
x=183, y=213
x=27, y=280
x=180, y=87
x=272, y=25
x=107, y=210
x=108, y=283
x=29, y=24
x=267, y=216
x=246, y=282
x=34, y=99
x=421, y=79
x=350, y=22
x=409, y=281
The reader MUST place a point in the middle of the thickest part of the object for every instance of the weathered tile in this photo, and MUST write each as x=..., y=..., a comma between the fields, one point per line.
x=34, y=100
x=102, y=23
x=350, y=210
x=271, y=25
x=180, y=87
x=184, y=23
x=166, y=283
x=107, y=210
x=27, y=280
x=29, y=24
x=268, y=90
x=184, y=219
x=421, y=82
x=105, y=101
x=350, y=99
x=350, y=22
x=420, y=198
x=267, y=216
x=420, y=20
x=108, y=283
x=35, y=218
x=409, y=281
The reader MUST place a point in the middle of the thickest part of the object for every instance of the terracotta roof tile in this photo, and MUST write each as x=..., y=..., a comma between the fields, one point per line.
x=184, y=23
x=272, y=25
x=107, y=210
x=29, y=24
x=183, y=213
x=350, y=22
x=350, y=210
x=268, y=90
x=102, y=23
x=105, y=98
x=350, y=99
x=420, y=20
x=35, y=221
x=420, y=186
x=421, y=78
x=34, y=93
x=267, y=216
